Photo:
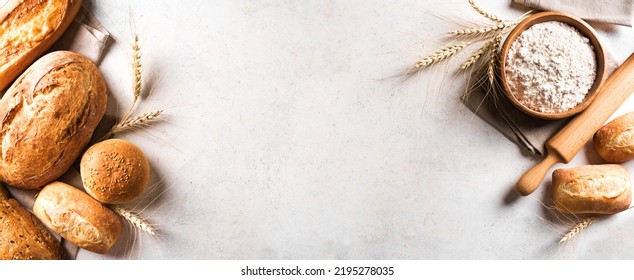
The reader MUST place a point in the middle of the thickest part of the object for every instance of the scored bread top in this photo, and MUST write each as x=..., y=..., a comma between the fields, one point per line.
x=591, y=189
x=606, y=181
x=47, y=117
x=614, y=142
x=76, y=216
x=27, y=29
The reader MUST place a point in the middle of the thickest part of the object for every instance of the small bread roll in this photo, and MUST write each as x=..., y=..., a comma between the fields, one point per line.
x=614, y=142
x=22, y=236
x=77, y=217
x=592, y=189
x=114, y=171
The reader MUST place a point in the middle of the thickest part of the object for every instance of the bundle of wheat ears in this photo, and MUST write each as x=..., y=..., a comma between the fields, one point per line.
x=489, y=36
x=483, y=62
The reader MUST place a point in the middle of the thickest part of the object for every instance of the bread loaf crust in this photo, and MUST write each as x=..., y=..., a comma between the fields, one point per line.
x=47, y=117
x=77, y=217
x=114, y=171
x=28, y=28
x=22, y=236
x=592, y=189
x=614, y=142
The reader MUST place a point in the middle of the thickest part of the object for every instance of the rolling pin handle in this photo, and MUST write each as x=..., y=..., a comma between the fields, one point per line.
x=531, y=180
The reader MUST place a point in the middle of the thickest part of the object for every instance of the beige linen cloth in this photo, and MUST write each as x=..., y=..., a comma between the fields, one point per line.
x=88, y=37
x=527, y=132
x=606, y=11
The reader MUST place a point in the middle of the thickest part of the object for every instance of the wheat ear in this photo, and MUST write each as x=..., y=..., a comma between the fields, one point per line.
x=136, y=68
x=583, y=224
x=484, y=31
x=440, y=55
x=493, y=59
x=135, y=220
x=484, y=13
x=477, y=55
x=138, y=121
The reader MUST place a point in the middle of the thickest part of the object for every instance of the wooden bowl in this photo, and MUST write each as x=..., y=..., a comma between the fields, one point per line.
x=584, y=29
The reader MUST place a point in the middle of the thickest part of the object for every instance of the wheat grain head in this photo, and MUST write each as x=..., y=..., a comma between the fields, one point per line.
x=135, y=219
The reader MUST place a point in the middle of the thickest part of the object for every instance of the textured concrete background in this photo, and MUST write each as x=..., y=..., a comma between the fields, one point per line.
x=285, y=137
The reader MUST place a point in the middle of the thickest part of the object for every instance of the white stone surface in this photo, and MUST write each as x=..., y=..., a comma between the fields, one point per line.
x=285, y=137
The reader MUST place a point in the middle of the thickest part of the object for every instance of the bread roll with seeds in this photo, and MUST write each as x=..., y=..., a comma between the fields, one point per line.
x=22, y=236
x=28, y=28
x=77, y=217
x=47, y=117
x=592, y=189
x=114, y=171
x=614, y=142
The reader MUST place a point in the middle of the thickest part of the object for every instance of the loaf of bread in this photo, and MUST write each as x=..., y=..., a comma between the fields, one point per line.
x=76, y=216
x=614, y=142
x=28, y=29
x=48, y=116
x=592, y=189
x=114, y=171
x=22, y=236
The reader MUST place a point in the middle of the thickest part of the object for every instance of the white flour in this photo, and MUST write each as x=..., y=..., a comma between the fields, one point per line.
x=551, y=67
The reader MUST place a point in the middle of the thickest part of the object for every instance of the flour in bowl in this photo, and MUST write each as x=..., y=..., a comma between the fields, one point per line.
x=551, y=67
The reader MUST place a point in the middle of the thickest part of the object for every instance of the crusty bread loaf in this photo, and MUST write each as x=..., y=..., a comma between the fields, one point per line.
x=28, y=28
x=22, y=236
x=76, y=216
x=114, y=171
x=48, y=116
x=4, y=193
x=592, y=189
x=614, y=142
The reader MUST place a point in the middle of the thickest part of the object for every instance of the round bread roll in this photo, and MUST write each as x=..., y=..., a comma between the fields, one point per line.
x=114, y=171
x=77, y=217
x=614, y=142
x=592, y=189
x=22, y=236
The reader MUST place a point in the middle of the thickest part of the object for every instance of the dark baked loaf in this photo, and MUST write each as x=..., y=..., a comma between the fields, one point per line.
x=22, y=236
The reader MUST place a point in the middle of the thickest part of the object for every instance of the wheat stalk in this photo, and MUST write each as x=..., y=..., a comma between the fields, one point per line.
x=138, y=121
x=484, y=13
x=477, y=55
x=493, y=59
x=484, y=31
x=135, y=220
x=583, y=224
x=440, y=55
x=136, y=68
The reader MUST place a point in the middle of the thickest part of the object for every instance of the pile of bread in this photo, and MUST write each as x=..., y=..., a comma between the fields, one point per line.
x=48, y=116
x=599, y=189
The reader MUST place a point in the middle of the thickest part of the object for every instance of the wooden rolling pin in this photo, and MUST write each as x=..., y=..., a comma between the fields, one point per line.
x=564, y=145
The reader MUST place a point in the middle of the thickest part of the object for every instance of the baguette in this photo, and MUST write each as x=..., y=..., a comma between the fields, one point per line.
x=48, y=116
x=592, y=189
x=76, y=216
x=28, y=29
